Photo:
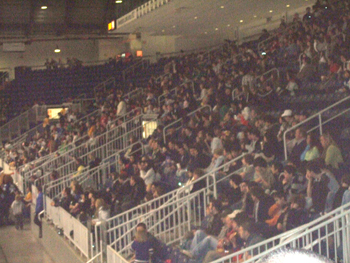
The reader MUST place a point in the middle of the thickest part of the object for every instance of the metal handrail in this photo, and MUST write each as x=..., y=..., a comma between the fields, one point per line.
x=268, y=72
x=318, y=115
x=300, y=232
x=82, y=146
x=143, y=62
x=104, y=84
x=180, y=119
x=160, y=98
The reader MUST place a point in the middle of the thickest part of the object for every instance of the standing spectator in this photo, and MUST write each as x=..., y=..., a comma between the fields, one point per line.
x=121, y=108
x=38, y=208
x=17, y=210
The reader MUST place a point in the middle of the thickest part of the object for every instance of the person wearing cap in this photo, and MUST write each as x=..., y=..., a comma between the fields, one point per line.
x=286, y=123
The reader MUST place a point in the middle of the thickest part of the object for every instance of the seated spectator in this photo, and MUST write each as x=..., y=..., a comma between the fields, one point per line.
x=136, y=195
x=313, y=148
x=296, y=215
x=306, y=72
x=276, y=209
x=142, y=246
x=248, y=168
x=101, y=212
x=263, y=175
x=213, y=229
x=292, y=85
x=195, y=183
x=293, y=182
x=331, y=152
x=299, y=145
x=269, y=147
x=262, y=204
x=248, y=232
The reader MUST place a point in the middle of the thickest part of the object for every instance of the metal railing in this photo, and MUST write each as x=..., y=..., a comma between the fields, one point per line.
x=327, y=235
x=102, y=87
x=73, y=229
x=141, y=65
x=92, y=177
x=21, y=124
x=161, y=98
x=101, y=146
x=318, y=117
x=180, y=119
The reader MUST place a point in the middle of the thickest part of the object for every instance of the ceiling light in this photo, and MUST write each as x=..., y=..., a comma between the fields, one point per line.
x=222, y=7
x=271, y=11
x=163, y=30
x=119, y=1
x=205, y=32
x=287, y=5
x=241, y=21
x=216, y=29
x=195, y=17
x=228, y=25
x=57, y=49
x=174, y=26
x=44, y=7
x=254, y=16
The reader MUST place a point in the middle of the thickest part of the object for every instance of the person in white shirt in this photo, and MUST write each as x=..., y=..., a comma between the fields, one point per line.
x=147, y=173
x=121, y=108
x=102, y=212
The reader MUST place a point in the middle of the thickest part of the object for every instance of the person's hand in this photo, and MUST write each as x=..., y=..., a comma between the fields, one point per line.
x=308, y=177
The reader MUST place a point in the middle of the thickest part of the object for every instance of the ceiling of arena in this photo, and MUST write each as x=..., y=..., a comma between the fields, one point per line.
x=20, y=18
x=26, y=18
x=205, y=17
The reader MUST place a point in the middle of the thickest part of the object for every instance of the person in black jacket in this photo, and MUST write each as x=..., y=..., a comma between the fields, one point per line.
x=262, y=203
x=138, y=192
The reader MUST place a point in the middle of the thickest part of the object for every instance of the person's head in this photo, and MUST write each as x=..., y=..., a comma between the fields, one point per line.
x=247, y=159
x=18, y=198
x=235, y=180
x=300, y=133
x=66, y=191
x=345, y=180
x=218, y=152
x=244, y=187
x=233, y=219
x=260, y=164
x=326, y=140
x=194, y=150
x=276, y=167
x=141, y=236
x=99, y=203
x=298, y=202
x=246, y=229
x=141, y=227
x=215, y=206
x=289, y=172
x=197, y=173
x=257, y=193
x=313, y=169
x=279, y=198
x=133, y=180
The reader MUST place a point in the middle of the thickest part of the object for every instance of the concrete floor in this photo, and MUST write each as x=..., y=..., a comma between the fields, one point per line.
x=20, y=246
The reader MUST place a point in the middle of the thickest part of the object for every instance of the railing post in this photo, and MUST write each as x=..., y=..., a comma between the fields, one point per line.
x=320, y=121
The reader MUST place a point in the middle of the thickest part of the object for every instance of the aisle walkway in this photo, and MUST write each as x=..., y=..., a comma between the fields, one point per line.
x=21, y=246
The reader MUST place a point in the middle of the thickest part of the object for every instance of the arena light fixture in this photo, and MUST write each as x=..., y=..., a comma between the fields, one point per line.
x=119, y=1
x=43, y=7
x=271, y=11
x=241, y=21
x=287, y=5
x=57, y=49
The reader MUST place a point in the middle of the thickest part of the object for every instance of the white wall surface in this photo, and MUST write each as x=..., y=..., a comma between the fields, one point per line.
x=153, y=44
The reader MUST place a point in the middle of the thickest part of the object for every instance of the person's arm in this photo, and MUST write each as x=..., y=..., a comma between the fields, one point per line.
x=309, y=186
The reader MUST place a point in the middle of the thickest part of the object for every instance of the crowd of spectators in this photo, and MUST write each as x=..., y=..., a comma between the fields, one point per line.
x=269, y=195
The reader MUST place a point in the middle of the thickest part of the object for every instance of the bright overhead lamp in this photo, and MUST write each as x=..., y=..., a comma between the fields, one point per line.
x=287, y=5
x=222, y=7
x=271, y=11
x=216, y=29
x=241, y=21
x=119, y=1
x=44, y=7
x=57, y=49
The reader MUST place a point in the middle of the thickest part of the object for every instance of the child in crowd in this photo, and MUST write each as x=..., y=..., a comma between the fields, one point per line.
x=17, y=210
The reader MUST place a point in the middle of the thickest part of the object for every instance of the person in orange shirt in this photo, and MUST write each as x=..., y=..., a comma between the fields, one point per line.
x=276, y=209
